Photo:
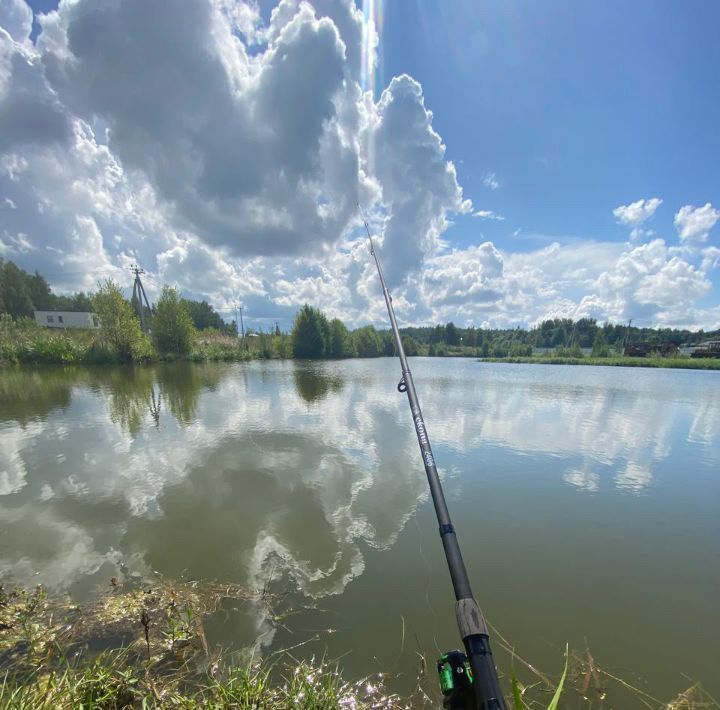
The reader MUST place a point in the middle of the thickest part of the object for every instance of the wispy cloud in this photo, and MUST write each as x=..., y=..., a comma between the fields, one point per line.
x=491, y=181
x=489, y=214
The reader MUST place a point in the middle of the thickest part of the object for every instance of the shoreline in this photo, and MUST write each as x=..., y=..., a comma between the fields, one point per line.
x=200, y=358
x=620, y=361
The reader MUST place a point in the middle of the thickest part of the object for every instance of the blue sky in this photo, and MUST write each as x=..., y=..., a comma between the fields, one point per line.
x=576, y=107
x=589, y=128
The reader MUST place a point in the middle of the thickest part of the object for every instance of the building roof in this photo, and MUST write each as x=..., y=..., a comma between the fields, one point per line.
x=82, y=313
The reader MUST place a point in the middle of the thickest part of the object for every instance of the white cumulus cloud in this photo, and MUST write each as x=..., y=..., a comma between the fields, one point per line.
x=695, y=223
x=638, y=212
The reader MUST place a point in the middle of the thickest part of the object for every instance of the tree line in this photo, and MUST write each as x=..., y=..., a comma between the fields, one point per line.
x=315, y=336
x=177, y=324
x=554, y=333
x=22, y=293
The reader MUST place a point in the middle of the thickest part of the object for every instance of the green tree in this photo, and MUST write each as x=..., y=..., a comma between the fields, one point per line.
x=600, y=346
x=499, y=348
x=410, y=345
x=78, y=302
x=310, y=333
x=14, y=291
x=81, y=302
x=119, y=326
x=387, y=340
x=367, y=342
x=452, y=337
x=172, y=326
x=39, y=290
x=204, y=316
x=340, y=341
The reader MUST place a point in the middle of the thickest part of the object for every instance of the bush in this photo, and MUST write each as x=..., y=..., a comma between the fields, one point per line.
x=499, y=349
x=119, y=326
x=264, y=346
x=574, y=351
x=22, y=340
x=518, y=349
x=600, y=347
x=99, y=353
x=47, y=349
x=282, y=347
x=172, y=327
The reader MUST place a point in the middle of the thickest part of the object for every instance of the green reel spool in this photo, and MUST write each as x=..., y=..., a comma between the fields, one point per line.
x=455, y=680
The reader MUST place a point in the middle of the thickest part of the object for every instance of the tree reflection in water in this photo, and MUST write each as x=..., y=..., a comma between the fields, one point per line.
x=313, y=383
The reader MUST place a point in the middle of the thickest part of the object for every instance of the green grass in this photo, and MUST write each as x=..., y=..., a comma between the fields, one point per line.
x=558, y=691
x=683, y=363
x=109, y=682
x=25, y=342
x=46, y=661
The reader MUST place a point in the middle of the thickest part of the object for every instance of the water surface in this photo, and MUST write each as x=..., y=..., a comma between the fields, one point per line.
x=587, y=502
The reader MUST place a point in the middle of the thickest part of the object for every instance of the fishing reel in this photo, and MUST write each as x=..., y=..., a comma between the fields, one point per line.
x=456, y=681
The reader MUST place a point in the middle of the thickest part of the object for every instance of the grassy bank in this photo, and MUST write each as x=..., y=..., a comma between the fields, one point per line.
x=25, y=342
x=143, y=645
x=683, y=363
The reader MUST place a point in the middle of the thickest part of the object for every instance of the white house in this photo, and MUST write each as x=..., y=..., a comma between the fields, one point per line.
x=66, y=319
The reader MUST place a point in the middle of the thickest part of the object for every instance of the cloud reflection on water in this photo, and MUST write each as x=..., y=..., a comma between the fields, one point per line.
x=290, y=469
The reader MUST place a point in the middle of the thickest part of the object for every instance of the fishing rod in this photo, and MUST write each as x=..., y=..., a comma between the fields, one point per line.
x=455, y=675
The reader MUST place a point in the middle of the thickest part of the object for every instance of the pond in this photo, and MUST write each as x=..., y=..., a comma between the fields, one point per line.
x=587, y=503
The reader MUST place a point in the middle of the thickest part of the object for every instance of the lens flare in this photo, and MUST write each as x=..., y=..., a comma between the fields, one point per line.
x=371, y=68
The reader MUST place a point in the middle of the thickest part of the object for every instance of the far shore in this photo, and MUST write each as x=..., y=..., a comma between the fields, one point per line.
x=680, y=363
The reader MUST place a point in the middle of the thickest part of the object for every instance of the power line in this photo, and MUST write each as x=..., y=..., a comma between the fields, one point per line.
x=78, y=273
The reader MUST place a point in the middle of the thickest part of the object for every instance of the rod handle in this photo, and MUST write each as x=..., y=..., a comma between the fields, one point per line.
x=474, y=632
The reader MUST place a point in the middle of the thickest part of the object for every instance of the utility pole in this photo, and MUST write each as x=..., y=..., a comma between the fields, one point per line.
x=139, y=295
x=242, y=325
x=627, y=334
x=569, y=343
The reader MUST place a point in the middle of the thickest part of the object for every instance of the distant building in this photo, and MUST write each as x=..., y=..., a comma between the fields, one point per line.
x=66, y=319
x=552, y=351
x=710, y=348
x=645, y=348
